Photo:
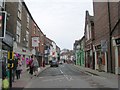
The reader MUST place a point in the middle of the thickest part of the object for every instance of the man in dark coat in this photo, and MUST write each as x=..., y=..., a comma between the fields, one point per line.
x=100, y=64
x=15, y=62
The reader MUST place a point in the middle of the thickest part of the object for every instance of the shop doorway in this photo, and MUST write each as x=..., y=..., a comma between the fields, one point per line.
x=118, y=59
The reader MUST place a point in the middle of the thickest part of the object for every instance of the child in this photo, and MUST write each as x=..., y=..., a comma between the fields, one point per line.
x=5, y=83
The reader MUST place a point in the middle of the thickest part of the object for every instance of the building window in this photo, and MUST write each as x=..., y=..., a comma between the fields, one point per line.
x=27, y=44
x=18, y=32
x=27, y=38
x=27, y=20
x=88, y=32
x=34, y=32
x=19, y=9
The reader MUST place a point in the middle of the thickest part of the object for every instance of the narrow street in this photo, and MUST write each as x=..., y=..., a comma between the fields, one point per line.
x=68, y=76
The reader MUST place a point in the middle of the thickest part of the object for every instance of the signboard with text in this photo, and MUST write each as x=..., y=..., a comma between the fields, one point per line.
x=117, y=41
x=35, y=41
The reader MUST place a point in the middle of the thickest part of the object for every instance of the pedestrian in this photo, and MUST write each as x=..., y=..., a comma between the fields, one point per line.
x=36, y=65
x=100, y=64
x=5, y=83
x=15, y=62
x=19, y=69
x=44, y=63
x=31, y=66
x=3, y=69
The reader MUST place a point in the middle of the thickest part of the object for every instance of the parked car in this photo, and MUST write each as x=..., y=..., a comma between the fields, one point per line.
x=54, y=63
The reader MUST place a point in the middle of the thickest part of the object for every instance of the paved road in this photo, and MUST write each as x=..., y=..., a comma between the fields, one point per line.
x=69, y=76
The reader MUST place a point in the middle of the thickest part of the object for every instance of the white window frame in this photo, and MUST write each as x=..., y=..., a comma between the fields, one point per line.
x=34, y=31
x=18, y=32
x=87, y=32
x=27, y=38
x=27, y=35
x=28, y=20
x=90, y=32
x=19, y=9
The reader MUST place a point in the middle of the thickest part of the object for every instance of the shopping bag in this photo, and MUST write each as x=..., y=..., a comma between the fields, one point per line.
x=39, y=69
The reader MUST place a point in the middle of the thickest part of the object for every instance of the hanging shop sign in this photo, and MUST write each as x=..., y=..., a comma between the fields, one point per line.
x=117, y=41
x=35, y=41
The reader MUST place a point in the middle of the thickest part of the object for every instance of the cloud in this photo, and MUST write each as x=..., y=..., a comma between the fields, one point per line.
x=61, y=20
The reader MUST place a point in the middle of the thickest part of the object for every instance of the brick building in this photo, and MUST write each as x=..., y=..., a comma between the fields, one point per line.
x=89, y=37
x=22, y=26
x=107, y=35
x=39, y=38
x=18, y=24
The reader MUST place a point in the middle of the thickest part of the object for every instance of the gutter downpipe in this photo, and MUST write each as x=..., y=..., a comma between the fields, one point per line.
x=110, y=38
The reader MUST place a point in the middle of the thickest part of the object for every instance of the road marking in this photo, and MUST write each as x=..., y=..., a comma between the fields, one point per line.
x=61, y=71
x=69, y=79
x=40, y=77
x=54, y=79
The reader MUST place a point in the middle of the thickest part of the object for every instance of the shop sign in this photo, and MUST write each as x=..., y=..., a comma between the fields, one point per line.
x=117, y=41
x=8, y=40
x=35, y=41
x=103, y=45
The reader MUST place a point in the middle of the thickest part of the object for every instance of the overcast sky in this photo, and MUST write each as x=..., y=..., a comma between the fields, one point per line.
x=62, y=21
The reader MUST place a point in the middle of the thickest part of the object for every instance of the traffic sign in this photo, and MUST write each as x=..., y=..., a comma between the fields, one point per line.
x=3, y=15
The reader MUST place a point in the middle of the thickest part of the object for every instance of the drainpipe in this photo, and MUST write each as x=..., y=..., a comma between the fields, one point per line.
x=110, y=37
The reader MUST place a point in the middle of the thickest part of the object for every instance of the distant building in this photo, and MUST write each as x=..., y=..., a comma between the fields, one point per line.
x=89, y=38
x=76, y=49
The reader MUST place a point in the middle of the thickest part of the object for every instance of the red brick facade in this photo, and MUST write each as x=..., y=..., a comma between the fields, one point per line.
x=106, y=17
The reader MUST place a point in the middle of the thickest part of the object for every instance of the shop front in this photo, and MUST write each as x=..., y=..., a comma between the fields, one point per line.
x=103, y=55
x=89, y=56
x=7, y=45
x=116, y=44
x=24, y=53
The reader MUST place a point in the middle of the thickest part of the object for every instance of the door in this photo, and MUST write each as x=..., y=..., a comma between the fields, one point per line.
x=119, y=59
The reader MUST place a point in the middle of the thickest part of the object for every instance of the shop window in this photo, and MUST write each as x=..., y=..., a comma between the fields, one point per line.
x=19, y=9
x=27, y=20
x=119, y=55
x=18, y=32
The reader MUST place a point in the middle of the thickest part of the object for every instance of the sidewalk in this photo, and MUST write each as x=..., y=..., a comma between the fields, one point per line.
x=25, y=78
x=109, y=76
x=0, y=83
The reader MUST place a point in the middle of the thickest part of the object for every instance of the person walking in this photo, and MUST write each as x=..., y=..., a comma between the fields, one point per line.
x=44, y=63
x=14, y=68
x=31, y=66
x=36, y=65
x=100, y=64
x=19, y=69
